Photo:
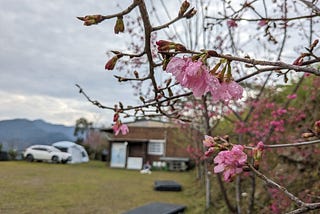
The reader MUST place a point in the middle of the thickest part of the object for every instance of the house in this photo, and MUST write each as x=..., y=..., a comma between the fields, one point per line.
x=159, y=143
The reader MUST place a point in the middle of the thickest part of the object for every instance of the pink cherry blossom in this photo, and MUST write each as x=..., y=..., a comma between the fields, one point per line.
x=235, y=90
x=230, y=162
x=191, y=74
x=230, y=90
x=196, y=78
x=214, y=86
x=117, y=127
x=176, y=67
x=224, y=92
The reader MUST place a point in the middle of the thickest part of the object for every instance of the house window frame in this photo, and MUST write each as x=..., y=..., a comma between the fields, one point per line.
x=156, y=147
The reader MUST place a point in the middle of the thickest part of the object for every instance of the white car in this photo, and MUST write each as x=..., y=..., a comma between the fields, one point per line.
x=46, y=153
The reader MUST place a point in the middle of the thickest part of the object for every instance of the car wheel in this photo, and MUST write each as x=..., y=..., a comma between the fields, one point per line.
x=29, y=158
x=64, y=161
x=55, y=159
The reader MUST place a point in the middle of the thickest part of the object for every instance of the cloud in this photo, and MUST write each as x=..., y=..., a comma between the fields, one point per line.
x=45, y=51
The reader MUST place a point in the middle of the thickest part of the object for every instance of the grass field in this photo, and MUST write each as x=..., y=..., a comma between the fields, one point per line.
x=87, y=188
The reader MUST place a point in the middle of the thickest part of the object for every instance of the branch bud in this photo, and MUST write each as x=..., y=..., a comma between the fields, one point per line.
x=314, y=44
x=163, y=43
x=190, y=13
x=119, y=26
x=179, y=47
x=112, y=62
x=183, y=8
x=115, y=117
x=91, y=19
x=136, y=74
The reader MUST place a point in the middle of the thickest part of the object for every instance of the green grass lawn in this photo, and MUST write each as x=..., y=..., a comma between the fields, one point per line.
x=88, y=188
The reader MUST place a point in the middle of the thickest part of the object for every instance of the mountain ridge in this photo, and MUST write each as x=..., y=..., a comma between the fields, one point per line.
x=20, y=133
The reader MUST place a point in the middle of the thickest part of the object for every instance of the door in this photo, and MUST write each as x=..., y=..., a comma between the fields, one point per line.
x=118, y=155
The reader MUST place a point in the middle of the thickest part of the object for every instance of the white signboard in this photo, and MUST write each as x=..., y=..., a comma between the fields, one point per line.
x=134, y=163
x=118, y=155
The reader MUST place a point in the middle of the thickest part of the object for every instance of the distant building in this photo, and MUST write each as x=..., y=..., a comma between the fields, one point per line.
x=159, y=143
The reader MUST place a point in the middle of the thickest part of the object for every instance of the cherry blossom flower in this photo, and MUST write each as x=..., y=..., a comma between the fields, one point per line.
x=230, y=162
x=214, y=86
x=193, y=75
x=230, y=90
x=196, y=76
x=176, y=67
x=235, y=90
x=117, y=127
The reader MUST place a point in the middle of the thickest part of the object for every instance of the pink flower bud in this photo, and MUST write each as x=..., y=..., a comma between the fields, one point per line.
x=115, y=117
x=111, y=63
x=298, y=61
x=163, y=43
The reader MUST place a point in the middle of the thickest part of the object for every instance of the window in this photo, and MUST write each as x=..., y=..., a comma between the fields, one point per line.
x=156, y=147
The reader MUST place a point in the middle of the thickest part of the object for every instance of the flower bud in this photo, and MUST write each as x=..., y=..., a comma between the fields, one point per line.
x=168, y=81
x=298, y=61
x=212, y=53
x=91, y=19
x=314, y=44
x=210, y=151
x=191, y=13
x=163, y=43
x=119, y=26
x=136, y=74
x=184, y=7
x=112, y=62
x=179, y=47
x=115, y=117
x=257, y=153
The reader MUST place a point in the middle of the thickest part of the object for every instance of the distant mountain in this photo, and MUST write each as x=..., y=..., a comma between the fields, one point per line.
x=21, y=133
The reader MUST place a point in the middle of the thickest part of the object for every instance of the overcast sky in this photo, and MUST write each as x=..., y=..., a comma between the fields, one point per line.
x=45, y=51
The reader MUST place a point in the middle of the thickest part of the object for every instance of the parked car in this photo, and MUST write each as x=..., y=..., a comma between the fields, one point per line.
x=46, y=153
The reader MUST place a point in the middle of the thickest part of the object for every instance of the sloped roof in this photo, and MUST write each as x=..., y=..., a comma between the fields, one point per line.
x=150, y=124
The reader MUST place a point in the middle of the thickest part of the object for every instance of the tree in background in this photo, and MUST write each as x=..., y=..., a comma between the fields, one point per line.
x=90, y=138
x=213, y=73
x=82, y=129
